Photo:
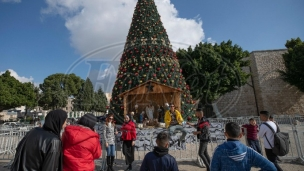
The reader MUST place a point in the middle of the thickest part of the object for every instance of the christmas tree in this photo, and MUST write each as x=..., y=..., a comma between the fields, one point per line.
x=148, y=55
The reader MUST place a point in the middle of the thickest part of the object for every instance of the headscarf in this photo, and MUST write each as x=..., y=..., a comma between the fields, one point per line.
x=54, y=121
x=88, y=120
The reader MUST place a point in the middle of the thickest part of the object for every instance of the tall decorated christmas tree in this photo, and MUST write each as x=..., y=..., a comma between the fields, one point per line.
x=148, y=55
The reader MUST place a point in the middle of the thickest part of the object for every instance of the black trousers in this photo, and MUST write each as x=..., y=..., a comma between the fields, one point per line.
x=273, y=158
x=203, y=153
x=128, y=151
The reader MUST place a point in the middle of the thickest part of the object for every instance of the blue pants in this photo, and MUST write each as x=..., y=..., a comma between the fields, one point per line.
x=174, y=128
x=255, y=144
x=110, y=150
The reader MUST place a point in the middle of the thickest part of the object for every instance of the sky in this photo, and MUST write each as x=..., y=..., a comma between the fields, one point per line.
x=40, y=38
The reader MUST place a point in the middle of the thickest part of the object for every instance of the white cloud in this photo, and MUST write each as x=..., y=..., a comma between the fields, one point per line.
x=98, y=23
x=209, y=40
x=20, y=78
x=11, y=1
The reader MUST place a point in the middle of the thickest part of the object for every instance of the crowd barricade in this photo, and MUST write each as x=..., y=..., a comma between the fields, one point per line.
x=293, y=125
x=9, y=140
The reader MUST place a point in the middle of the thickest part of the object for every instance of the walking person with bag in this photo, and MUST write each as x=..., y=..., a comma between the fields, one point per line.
x=267, y=131
x=203, y=134
x=109, y=133
x=128, y=136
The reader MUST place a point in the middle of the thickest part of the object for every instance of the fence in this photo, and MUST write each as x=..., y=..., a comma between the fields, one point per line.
x=293, y=125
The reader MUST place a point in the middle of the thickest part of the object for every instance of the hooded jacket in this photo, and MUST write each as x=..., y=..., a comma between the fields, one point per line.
x=159, y=160
x=41, y=148
x=80, y=147
x=235, y=156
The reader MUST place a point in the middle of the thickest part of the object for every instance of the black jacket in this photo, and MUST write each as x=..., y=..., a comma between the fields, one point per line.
x=39, y=150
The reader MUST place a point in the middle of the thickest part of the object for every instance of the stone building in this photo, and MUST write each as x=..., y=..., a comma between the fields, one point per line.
x=265, y=90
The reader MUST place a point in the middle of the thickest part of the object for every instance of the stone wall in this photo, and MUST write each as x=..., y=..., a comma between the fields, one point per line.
x=240, y=102
x=273, y=94
x=265, y=90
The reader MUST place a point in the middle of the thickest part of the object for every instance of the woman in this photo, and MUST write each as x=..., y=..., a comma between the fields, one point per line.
x=128, y=137
x=81, y=145
x=40, y=149
x=109, y=132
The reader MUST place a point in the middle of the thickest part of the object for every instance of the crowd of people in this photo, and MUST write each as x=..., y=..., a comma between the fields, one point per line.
x=49, y=148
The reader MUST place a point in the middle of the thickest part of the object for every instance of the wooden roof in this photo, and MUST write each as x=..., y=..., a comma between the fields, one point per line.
x=156, y=87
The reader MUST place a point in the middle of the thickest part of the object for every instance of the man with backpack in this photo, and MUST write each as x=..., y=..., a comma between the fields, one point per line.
x=203, y=135
x=267, y=132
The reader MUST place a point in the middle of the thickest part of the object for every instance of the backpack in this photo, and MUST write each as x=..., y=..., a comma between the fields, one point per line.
x=281, y=142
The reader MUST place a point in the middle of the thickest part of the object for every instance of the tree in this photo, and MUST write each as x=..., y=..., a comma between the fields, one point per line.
x=100, y=101
x=57, y=88
x=213, y=70
x=294, y=62
x=85, y=97
x=148, y=55
x=14, y=93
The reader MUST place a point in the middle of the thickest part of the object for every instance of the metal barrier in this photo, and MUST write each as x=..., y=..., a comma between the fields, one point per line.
x=293, y=125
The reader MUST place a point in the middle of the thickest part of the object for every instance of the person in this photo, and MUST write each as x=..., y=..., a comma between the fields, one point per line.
x=173, y=121
x=203, y=134
x=266, y=133
x=271, y=118
x=252, y=135
x=81, y=145
x=141, y=117
x=40, y=149
x=109, y=132
x=160, y=113
x=233, y=155
x=159, y=159
x=150, y=112
x=128, y=137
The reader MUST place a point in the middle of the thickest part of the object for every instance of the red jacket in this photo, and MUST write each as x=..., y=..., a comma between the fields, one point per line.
x=128, y=131
x=80, y=147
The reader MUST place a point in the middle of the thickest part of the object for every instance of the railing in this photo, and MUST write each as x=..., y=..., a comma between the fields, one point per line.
x=9, y=139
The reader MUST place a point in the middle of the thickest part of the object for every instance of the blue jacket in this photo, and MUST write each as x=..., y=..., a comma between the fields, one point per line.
x=235, y=156
x=159, y=160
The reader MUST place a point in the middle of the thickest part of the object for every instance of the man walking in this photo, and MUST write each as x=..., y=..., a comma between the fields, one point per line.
x=268, y=136
x=159, y=159
x=203, y=135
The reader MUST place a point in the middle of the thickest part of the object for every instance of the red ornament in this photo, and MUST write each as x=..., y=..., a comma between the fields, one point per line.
x=147, y=64
x=163, y=64
x=165, y=81
x=180, y=70
x=158, y=69
x=154, y=75
x=136, y=74
x=169, y=76
x=130, y=82
x=140, y=68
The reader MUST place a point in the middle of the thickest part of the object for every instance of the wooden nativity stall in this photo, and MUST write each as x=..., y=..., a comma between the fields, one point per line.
x=150, y=92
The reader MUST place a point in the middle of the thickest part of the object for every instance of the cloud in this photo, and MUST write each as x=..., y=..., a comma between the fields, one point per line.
x=10, y=1
x=209, y=40
x=105, y=23
x=20, y=78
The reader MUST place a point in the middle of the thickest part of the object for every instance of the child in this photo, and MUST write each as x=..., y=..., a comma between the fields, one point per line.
x=252, y=135
x=233, y=155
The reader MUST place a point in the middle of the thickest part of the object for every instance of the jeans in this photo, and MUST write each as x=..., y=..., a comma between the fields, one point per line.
x=254, y=144
x=110, y=150
x=203, y=153
x=174, y=128
x=273, y=158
